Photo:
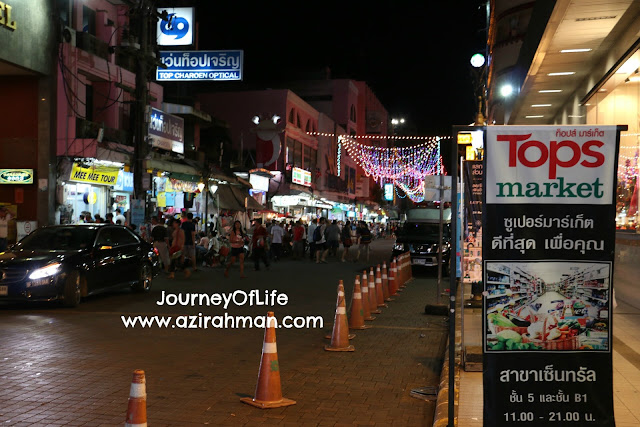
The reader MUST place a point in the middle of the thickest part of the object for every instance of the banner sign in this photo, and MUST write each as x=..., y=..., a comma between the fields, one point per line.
x=301, y=176
x=16, y=176
x=166, y=131
x=218, y=65
x=125, y=182
x=548, y=246
x=94, y=175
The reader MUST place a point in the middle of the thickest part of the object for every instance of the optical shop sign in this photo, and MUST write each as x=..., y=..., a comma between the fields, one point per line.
x=548, y=248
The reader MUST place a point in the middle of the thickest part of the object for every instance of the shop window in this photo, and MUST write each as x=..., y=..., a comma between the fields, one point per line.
x=352, y=114
x=88, y=20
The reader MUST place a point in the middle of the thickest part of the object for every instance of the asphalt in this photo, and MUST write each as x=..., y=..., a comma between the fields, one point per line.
x=74, y=366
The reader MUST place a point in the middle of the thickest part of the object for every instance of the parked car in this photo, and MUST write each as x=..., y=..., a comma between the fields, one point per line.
x=419, y=235
x=68, y=262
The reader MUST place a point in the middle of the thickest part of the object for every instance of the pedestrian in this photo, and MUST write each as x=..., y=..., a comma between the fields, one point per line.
x=310, y=232
x=277, y=233
x=160, y=239
x=190, y=240
x=177, y=246
x=333, y=238
x=298, y=240
x=119, y=218
x=346, y=240
x=237, y=239
x=320, y=240
x=109, y=218
x=259, y=245
x=81, y=219
x=364, y=239
x=5, y=217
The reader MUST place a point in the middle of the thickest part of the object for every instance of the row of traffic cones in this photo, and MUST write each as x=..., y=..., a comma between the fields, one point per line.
x=368, y=298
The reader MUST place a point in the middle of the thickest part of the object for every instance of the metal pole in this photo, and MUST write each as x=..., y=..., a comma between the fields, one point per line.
x=140, y=115
x=453, y=288
x=439, y=287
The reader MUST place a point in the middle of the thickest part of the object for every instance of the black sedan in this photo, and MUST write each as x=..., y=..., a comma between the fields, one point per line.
x=68, y=262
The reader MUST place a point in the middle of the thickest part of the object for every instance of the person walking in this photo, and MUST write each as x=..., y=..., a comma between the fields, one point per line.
x=364, y=239
x=312, y=245
x=160, y=239
x=236, y=238
x=119, y=217
x=189, y=241
x=320, y=240
x=298, y=240
x=346, y=240
x=333, y=238
x=175, y=252
x=259, y=245
x=277, y=233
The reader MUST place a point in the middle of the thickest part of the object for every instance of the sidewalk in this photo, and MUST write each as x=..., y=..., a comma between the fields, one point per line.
x=626, y=359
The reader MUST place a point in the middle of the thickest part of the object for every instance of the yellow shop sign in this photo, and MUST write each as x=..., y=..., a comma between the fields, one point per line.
x=94, y=175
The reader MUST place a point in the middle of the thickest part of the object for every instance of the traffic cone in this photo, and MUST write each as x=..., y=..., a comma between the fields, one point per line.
x=409, y=268
x=401, y=271
x=379, y=291
x=385, y=283
x=393, y=287
x=356, y=321
x=366, y=306
x=137, y=406
x=373, y=294
x=269, y=390
x=340, y=335
x=351, y=336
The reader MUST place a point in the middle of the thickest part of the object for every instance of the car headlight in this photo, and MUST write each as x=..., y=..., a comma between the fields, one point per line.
x=398, y=247
x=46, y=271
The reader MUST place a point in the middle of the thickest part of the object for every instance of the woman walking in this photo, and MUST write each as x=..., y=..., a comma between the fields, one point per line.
x=236, y=238
x=346, y=240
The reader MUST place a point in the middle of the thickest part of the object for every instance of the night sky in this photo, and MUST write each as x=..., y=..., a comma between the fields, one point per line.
x=415, y=57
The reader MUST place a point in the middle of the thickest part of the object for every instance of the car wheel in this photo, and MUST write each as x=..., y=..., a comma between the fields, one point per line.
x=145, y=278
x=72, y=290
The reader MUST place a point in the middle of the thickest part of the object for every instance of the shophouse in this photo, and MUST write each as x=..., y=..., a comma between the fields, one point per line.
x=27, y=112
x=571, y=62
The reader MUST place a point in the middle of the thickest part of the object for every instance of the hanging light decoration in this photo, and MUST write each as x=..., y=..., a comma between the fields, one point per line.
x=405, y=167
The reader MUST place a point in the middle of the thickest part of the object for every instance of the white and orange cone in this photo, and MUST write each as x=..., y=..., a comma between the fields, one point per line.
x=269, y=390
x=373, y=295
x=393, y=287
x=386, y=291
x=351, y=336
x=340, y=335
x=137, y=406
x=356, y=321
x=379, y=291
x=366, y=304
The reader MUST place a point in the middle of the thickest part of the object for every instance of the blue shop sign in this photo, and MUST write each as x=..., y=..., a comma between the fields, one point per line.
x=218, y=65
x=125, y=182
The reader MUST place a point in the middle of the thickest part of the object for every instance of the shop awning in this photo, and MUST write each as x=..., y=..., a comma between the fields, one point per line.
x=242, y=193
x=173, y=167
x=226, y=199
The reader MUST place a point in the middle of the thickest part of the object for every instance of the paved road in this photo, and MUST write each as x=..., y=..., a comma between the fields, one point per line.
x=73, y=366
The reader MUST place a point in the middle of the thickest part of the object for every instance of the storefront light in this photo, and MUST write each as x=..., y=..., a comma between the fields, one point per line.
x=213, y=188
x=200, y=186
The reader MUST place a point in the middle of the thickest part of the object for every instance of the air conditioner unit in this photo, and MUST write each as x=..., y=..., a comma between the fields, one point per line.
x=69, y=36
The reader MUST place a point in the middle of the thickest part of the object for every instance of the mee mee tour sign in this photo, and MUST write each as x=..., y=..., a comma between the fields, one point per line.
x=548, y=250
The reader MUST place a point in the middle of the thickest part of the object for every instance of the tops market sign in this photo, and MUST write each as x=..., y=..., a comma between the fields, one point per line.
x=549, y=164
x=217, y=65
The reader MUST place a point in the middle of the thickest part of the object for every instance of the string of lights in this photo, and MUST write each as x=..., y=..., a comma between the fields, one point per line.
x=395, y=137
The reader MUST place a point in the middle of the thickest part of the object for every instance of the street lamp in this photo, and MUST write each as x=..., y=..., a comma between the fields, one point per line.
x=506, y=90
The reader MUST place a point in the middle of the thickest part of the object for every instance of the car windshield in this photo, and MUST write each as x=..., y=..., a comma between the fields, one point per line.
x=58, y=239
x=422, y=229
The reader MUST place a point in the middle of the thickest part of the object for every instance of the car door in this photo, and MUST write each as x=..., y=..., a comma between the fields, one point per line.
x=129, y=254
x=105, y=268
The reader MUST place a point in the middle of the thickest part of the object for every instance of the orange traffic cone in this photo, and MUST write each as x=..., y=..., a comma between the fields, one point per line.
x=137, y=407
x=351, y=336
x=393, y=287
x=366, y=305
x=379, y=291
x=373, y=299
x=356, y=321
x=340, y=335
x=401, y=268
x=385, y=283
x=269, y=390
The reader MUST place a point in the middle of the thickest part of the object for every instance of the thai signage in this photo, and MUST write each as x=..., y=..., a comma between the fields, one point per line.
x=16, y=176
x=548, y=245
x=94, y=175
x=177, y=29
x=219, y=65
x=166, y=131
x=301, y=176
